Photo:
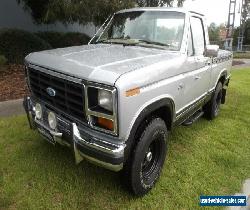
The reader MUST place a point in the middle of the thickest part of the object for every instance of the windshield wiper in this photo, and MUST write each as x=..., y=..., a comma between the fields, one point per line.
x=103, y=41
x=123, y=41
x=154, y=43
x=113, y=40
x=132, y=42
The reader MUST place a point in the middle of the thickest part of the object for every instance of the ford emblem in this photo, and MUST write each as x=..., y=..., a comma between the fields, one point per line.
x=51, y=92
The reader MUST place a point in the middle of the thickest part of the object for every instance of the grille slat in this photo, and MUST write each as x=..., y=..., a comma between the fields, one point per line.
x=69, y=95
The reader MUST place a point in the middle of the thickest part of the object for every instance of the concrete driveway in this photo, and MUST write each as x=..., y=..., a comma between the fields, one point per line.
x=11, y=108
x=246, y=63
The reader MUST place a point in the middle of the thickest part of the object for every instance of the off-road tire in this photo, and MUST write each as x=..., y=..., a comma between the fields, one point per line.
x=212, y=108
x=148, y=156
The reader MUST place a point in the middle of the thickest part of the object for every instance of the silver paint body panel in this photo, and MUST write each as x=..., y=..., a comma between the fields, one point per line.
x=158, y=73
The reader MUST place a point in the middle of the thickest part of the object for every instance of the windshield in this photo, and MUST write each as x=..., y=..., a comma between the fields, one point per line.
x=154, y=28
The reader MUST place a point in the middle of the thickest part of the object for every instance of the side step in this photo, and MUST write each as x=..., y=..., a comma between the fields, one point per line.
x=193, y=118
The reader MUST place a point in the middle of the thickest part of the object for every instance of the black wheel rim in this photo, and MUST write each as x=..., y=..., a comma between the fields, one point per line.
x=218, y=103
x=150, y=164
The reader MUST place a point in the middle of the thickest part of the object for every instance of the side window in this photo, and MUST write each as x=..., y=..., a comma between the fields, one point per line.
x=190, y=43
x=198, y=35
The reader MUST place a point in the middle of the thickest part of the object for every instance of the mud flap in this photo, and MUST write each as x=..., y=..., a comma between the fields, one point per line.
x=224, y=93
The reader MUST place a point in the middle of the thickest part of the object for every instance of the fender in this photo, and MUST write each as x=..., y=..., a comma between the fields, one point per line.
x=167, y=103
x=223, y=73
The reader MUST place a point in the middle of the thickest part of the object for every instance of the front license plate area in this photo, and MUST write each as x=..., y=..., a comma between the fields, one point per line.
x=46, y=135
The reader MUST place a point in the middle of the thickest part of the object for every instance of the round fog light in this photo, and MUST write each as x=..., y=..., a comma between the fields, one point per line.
x=38, y=111
x=52, y=120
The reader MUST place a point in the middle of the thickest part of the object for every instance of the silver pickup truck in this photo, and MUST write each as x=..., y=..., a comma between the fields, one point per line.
x=115, y=100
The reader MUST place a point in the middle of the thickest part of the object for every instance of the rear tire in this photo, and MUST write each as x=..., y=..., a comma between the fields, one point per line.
x=212, y=108
x=148, y=156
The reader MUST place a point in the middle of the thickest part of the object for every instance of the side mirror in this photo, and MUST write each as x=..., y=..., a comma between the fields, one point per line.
x=212, y=50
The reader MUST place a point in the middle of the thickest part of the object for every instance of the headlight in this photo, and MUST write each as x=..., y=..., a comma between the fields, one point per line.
x=38, y=111
x=105, y=99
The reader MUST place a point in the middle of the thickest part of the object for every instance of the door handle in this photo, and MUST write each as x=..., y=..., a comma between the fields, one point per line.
x=208, y=63
x=197, y=77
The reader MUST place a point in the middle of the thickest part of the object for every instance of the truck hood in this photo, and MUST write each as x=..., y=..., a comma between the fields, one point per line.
x=103, y=63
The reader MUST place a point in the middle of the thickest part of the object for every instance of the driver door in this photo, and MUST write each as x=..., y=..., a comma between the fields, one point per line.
x=199, y=78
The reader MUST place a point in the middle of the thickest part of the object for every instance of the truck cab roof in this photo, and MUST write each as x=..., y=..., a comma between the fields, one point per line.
x=174, y=9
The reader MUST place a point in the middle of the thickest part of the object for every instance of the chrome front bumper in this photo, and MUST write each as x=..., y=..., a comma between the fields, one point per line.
x=83, y=144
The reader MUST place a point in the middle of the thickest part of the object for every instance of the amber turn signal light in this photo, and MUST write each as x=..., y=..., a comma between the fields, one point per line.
x=132, y=92
x=105, y=123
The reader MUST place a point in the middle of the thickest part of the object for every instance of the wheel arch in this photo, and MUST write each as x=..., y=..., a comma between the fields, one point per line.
x=222, y=77
x=163, y=108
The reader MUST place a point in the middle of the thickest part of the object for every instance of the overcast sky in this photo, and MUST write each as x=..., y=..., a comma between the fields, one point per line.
x=215, y=10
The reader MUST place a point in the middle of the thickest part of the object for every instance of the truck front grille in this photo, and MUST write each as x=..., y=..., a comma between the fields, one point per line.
x=69, y=97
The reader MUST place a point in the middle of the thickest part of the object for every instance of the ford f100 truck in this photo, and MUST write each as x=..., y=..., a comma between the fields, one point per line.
x=115, y=100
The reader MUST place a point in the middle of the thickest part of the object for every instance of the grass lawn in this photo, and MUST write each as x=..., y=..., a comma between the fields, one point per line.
x=207, y=158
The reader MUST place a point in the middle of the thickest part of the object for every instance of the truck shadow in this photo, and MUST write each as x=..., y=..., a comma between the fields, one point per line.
x=57, y=163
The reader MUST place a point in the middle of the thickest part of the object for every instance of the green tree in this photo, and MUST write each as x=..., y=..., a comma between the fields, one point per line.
x=83, y=11
x=247, y=33
x=246, y=40
x=214, y=32
x=68, y=11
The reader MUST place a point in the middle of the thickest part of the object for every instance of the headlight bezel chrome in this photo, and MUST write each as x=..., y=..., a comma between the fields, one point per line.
x=93, y=112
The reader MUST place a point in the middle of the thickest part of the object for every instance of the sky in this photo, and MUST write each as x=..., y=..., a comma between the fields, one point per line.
x=215, y=10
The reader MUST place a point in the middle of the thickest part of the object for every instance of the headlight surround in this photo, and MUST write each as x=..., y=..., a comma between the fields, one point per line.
x=101, y=107
x=105, y=99
x=101, y=99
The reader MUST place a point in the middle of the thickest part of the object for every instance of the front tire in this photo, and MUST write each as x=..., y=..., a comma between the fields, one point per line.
x=148, y=157
x=212, y=109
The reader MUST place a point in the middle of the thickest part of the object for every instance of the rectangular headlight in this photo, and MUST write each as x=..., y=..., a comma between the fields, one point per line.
x=101, y=107
x=105, y=99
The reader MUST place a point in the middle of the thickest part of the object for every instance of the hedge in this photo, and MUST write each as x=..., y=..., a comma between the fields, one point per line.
x=3, y=60
x=16, y=44
x=58, y=40
x=242, y=55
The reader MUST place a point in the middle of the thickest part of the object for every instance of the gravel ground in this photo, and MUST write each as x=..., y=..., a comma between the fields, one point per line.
x=12, y=82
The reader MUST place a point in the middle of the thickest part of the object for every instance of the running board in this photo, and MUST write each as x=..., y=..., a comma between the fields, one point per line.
x=193, y=118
